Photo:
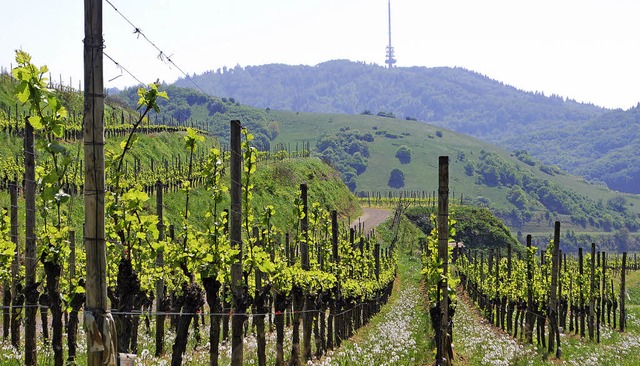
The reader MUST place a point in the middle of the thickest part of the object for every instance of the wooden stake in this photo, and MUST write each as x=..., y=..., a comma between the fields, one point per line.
x=94, y=186
x=159, y=282
x=304, y=227
x=235, y=236
x=529, y=317
x=581, y=290
x=554, y=332
x=443, y=253
x=31, y=291
x=623, y=290
x=15, y=266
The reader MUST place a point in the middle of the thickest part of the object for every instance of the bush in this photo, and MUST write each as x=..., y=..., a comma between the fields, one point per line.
x=396, y=178
x=404, y=154
x=386, y=114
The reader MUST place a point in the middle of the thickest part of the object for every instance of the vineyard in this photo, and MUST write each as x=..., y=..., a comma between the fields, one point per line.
x=300, y=267
x=231, y=256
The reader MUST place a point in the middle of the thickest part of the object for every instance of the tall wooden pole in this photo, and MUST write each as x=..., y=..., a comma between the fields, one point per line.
x=304, y=227
x=443, y=254
x=334, y=237
x=623, y=290
x=94, y=185
x=592, y=293
x=159, y=282
x=16, y=287
x=529, y=314
x=31, y=291
x=581, y=290
x=235, y=233
x=554, y=332
x=304, y=254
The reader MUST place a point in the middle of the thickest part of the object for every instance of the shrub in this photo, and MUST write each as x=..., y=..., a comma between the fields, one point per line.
x=404, y=154
x=396, y=178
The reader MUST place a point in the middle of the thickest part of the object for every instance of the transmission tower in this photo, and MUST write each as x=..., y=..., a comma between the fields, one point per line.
x=390, y=61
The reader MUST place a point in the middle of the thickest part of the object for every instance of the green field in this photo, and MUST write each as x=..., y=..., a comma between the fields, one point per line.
x=427, y=143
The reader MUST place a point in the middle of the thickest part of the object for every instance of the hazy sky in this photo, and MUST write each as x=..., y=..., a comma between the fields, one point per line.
x=587, y=50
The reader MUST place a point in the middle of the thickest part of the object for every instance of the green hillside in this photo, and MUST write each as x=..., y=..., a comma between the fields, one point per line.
x=525, y=193
x=454, y=98
x=582, y=139
x=382, y=154
x=186, y=107
x=528, y=195
x=162, y=156
x=605, y=149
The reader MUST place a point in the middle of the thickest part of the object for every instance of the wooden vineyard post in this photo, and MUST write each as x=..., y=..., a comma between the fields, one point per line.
x=304, y=254
x=529, y=317
x=159, y=283
x=288, y=249
x=235, y=236
x=595, y=289
x=31, y=291
x=510, y=305
x=336, y=299
x=592, y=298
x=603, y=296
x=498, y=311
x=554, y=332
x=94, y=187
x=562, y=323
x=72, y=254
x=332, y=301
x=6, y=301
x=376, y=255
x=623, y=290
x=304, y=227
x=16, y=287
x=442, y=356
x=581, y=290
x=259, y=307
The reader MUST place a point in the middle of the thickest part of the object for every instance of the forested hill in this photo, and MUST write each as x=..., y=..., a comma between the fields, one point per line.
x=605, y=149
x=583, y=139
x=454, y=98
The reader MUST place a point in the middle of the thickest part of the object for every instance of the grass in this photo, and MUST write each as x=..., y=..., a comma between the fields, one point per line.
x=426, y=146
x=474, y=347
x=399, y=335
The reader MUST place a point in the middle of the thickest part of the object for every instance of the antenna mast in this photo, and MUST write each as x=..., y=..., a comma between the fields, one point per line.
x=390, y=61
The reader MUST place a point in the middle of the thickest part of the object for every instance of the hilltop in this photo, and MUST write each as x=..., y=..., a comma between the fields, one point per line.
x=548, y=127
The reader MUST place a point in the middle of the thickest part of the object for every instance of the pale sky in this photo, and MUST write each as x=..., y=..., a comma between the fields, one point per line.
x=587, y=50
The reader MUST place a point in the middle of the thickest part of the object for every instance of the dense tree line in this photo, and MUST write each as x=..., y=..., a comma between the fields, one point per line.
x=529, y=194
x=476, y=227
x=348, y=151
x=193, y=108
x=605, y=149
x=453, y=97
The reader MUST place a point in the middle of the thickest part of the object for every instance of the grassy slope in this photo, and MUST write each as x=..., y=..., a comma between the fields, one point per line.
x=276, y=183
x=426, y=146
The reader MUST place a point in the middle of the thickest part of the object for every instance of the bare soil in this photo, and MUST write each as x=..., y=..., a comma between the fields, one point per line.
x=371, y=218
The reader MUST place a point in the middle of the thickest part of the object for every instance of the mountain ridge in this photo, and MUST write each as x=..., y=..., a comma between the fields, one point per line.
x=451, y=97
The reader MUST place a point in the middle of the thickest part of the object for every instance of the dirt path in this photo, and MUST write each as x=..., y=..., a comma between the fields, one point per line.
x=371, y=217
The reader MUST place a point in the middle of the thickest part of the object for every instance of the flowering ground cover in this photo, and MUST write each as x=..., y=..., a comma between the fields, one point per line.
x=399, y=335
x=476, y=342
